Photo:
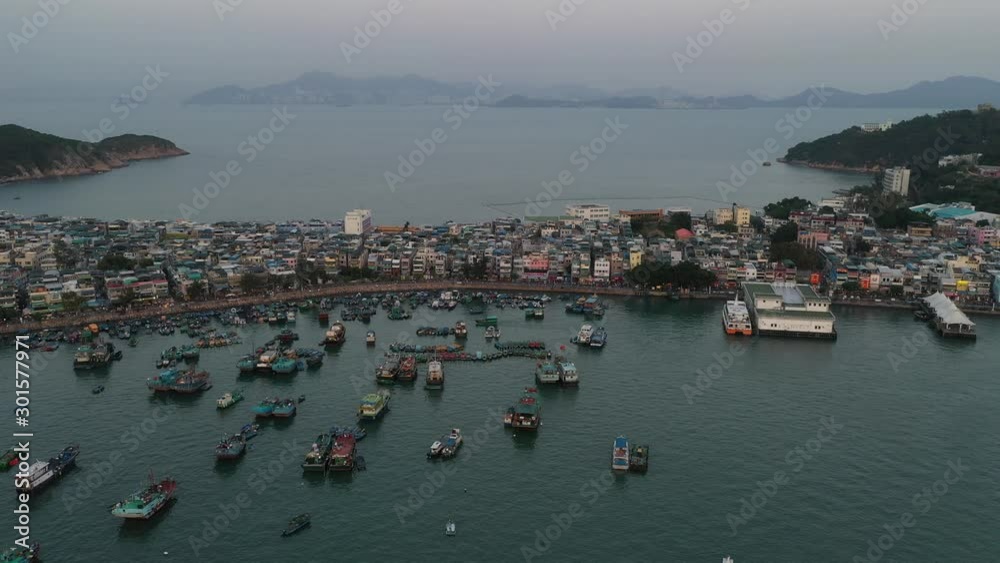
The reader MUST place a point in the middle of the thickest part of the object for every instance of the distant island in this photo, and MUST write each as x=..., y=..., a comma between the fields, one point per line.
x=26, y=154
x=326, y=88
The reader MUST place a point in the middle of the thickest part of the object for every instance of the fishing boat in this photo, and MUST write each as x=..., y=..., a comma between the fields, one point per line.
x=249, y=430
x=190, y=352
x=168, y=357
x=30, y=554
x=370, y=338
x=526, y=414
x=638, y=460
x=284, y=366
x=8, y=459
x=532, y=313
x=97, y=390
x=146, y=503
x=175, y=380
x=317, y=456
x=736, y=318
x=619, y=454
x=324, y=317
x=568, y=376
x=546, y=373
x=461, y=330
x=407, y=369
x=449, y=528
x=246, y=364
x=451, y=442
x=387, y=371
x=342, y=453
x=96, y=355
x=230, y=447
x=492, y=333
x=296, y=525
x=435, y=376
x=229, y=399
x=335, y=335
x=43, y=473
x=285, y=408
x=488, y=321
x=374, y=405
x=599, y=338
x=264, y=408
x=583, y=337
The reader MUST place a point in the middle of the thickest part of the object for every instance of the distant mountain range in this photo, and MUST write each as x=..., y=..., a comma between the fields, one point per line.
x=328, y=88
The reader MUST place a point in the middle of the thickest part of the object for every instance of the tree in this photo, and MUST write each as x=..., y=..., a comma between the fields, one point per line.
x=983, y=223
x=851, y=287
x=861, y=246
x=127, y=297
x=804, y=258
x=728, y=227
x=115, y=262
x=784, y=208
x=757, y=223
x=72, y=302
x=789, y=232
x=196, y=290
x=251, y=283
x=826, y=210
x=66, y=256
x=678, y=221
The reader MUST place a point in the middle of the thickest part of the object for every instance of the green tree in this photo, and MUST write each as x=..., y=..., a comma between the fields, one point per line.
x=115, y=262
x=196, y=291
x=727, y=227
x=784, y=208
x=804, y=258
x=72, y=302
x=251, y=283
x=851, y=287
x=757, y=223
x=127, y=297
x=789, y=232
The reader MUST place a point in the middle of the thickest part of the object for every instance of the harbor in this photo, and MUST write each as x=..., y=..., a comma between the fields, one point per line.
x=654, y=348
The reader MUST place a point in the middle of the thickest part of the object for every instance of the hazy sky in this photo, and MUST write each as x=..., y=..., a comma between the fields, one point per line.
x=771, y=47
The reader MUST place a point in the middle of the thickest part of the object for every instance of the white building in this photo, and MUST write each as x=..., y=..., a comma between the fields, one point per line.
x=589, y=212
x=787, y=309
x=602, y=268
x=897, y=180
x=873, y=127
x=956, y=159
x=358, y=222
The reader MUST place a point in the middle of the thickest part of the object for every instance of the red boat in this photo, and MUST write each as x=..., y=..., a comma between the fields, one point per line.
x=342, y=453
x=407, y=369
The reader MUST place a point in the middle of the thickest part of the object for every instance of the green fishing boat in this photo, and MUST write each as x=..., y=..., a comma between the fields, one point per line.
x=229, y=399
x=190, y=352
x=296, y=524
x=144, y=504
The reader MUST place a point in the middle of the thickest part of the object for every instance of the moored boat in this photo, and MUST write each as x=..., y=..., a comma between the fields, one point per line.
x=335, y=335
x=407, y=369
x=317, y=456
x=231, y=447
x=370, y=338
x=568, y=376
x=619, y=454
x=374, y=405
x=583, y=337
x=146, y=503
x=18, y=554
x=95, y=355
x=8, y=459
x=296, y=524
x=387, y=371
x=736, y=318
x=178, y=381
x=526, y=414
x=461, y=330
x=546, y=372
x=43, y=473
x=599, y=338
x=638, y=460
x=284, y=408
x=264, y=408
x=435, y=376
x=229, y=399
x=342, y=453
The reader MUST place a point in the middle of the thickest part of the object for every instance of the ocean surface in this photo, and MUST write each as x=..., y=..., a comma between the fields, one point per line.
x=862, y=431
x=328, y=160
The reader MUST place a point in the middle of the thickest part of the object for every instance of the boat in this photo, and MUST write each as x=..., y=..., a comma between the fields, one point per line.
x=488, y=321
x=97, y=390
x=546, y=372
x=568, y=376
x=168, y=357
x=133, y=341
x=534, y=313
x=190, y=352
x=247, y=364
x=317, y=456
x=920, y=315
x=30, y=554
x=599, y=338
x=342, y=453
x=324, y=317
x=264, y=408
x=407, y=369
x=229, y=399
x=146, y=503
x=284, y=366
x=231, y=447
x=451, y=442
x=461, y=330
x=43, y=473
x=374, y=405
x=492, y=333
x=583, y=337
x=94, y=356
x=187, y=381
x=387, y=371
x=249, y=430
x=638, y=460
x=767, y=163
x=370, y=338
x=296, y=525
x=449, y=528
x=736, y=318
x=336, y=334
x=435, y=376
x=284, y=408
x=619, y=454
x=8, y=459
x=526, y=414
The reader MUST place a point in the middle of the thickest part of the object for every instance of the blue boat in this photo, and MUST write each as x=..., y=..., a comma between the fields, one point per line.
x=619, y=455
x=599, y=338
x=264, y=408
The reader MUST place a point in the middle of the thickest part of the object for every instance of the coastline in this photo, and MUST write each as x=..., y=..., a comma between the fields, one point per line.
x=177, y=308
x=831, y=167
x=105, y=165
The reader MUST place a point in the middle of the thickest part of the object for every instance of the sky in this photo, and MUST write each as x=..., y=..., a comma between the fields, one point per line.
x=766, y=47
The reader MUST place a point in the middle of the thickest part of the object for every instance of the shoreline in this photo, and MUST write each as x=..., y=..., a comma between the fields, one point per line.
x=178, y=308
x=830, y=167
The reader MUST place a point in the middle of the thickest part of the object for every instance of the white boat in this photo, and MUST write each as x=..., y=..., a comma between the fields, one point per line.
x=370, y=338
x=491, y=333
x=290, y=316
x=449, y=528
x=435, y=450
x=567, y=373
x=583, y=337
x=619, y=455
x=736, y=318
x=336, y=334
x=727, y=560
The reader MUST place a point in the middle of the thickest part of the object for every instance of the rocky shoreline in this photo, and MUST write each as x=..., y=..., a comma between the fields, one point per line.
x=101, y=163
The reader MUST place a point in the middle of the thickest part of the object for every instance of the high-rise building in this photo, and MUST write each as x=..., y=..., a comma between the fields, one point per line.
x=897, y=180
x=358, y=222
